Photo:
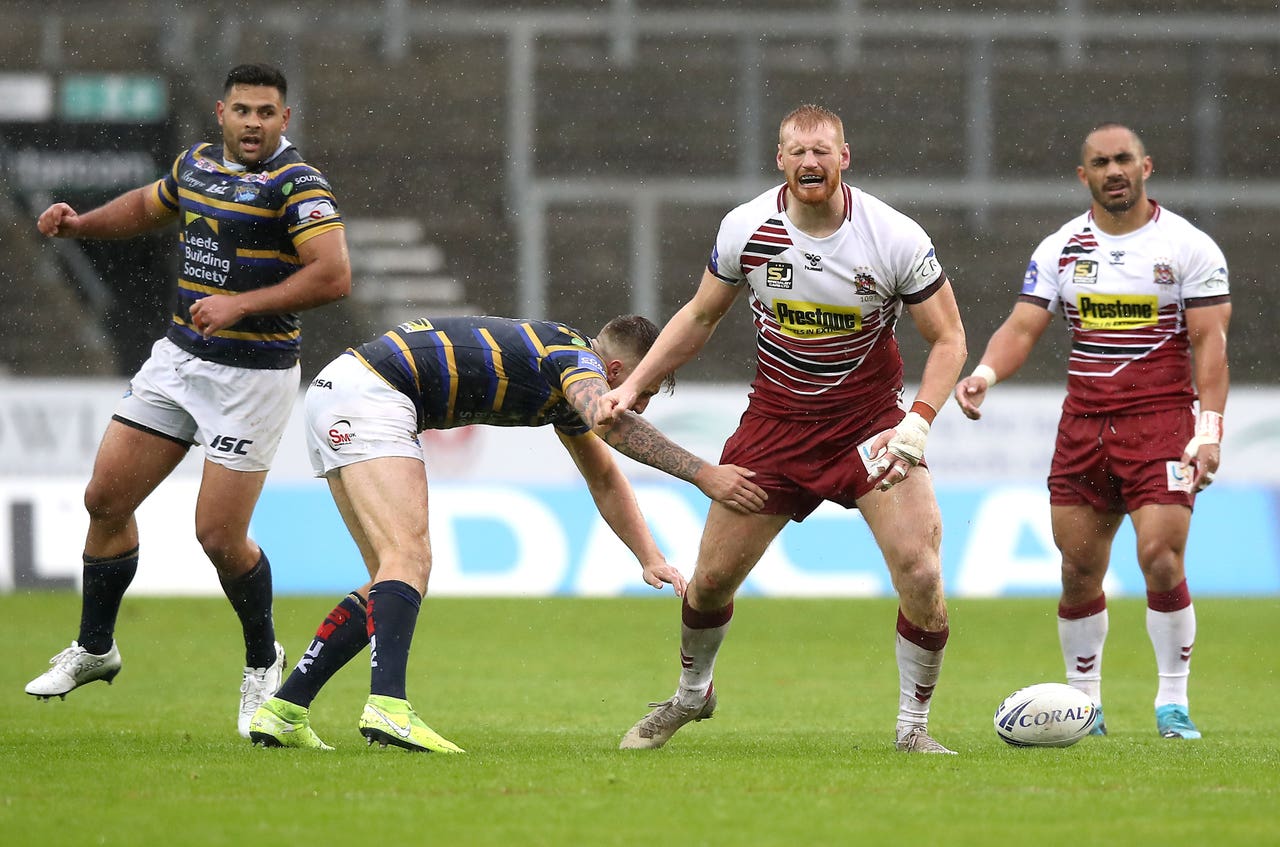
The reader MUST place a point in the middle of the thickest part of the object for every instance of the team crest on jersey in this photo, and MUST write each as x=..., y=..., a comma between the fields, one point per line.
x=864, y=282
x=1085, y=272
x=778, y=275
x=245, y=193
x=1163, y=271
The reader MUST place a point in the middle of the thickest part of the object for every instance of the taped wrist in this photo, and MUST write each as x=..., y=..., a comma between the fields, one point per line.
x=1208, y=431
x=985, y=373
x=1209, y=427
x=909, y=438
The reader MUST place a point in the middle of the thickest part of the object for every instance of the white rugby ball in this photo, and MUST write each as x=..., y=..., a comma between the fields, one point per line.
x=1050, y=714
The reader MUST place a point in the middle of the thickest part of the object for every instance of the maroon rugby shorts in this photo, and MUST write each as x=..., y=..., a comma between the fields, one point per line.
x=1118, y=463
x=801, y=463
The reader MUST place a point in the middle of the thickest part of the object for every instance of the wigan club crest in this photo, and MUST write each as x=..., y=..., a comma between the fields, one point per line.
x=863, y=281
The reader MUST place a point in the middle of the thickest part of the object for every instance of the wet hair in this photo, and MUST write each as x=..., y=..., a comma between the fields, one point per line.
x=809, y=117
x=631, y=336
x=256, y=73
x=1142, y=148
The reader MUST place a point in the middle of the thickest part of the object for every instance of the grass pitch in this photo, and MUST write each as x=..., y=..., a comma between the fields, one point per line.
x=539, y=692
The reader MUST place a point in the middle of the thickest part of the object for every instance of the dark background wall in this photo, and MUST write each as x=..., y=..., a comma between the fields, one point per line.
x=422, y=131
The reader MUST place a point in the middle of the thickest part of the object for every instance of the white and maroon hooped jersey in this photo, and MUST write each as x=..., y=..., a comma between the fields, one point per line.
x=1124, y=299
x=825, y=308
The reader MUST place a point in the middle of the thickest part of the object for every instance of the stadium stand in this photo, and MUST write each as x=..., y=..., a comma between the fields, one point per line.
x=572, y=158
x=399, y=274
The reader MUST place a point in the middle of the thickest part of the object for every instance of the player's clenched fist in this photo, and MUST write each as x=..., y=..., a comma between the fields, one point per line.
x=58, y=221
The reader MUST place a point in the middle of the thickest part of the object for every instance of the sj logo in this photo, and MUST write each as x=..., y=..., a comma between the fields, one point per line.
x=778, y=275
x=231, y=444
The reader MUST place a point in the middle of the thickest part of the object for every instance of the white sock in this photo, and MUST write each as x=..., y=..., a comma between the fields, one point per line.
x=1172, y=635
x=918, y=672
x=698, y=650
x=1082, y=640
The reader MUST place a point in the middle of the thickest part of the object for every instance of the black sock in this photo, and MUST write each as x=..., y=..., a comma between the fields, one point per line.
x=250, y=596
x=393, y=614
x=105, y=581
x=344, y=633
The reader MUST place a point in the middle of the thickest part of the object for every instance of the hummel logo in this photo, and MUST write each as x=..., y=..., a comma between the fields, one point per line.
x=402, y=731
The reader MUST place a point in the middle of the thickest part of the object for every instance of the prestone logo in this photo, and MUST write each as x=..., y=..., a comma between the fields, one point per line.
x=1118, y=312
x=810, y=320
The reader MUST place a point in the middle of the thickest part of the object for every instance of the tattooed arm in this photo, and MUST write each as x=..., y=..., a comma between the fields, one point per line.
x=633, y=436
x=617, y=504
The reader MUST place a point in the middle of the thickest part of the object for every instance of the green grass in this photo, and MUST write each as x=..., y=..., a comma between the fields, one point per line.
x=540, y=691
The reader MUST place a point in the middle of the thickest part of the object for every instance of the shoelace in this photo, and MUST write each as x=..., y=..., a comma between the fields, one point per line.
x=68, y=654
x=255, y=675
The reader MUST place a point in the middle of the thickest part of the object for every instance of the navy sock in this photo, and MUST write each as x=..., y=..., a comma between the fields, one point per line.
x=250, y=596
x=344, y=633
x=393, y=614
x=105, y=581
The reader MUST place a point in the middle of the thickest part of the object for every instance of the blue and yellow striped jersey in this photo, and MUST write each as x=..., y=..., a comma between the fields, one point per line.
x=239, y=231
x=485, y=370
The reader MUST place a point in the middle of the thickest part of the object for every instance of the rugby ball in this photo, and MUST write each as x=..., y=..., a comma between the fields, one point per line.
x=1049, y=714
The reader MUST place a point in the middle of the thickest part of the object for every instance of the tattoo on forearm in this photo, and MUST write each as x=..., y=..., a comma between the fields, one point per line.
x=632, y=435
x=635, y=437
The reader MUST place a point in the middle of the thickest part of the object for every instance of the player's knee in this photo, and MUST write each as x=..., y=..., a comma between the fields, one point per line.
x=711, y=592
x=917, y=575
x=221, y=542
x=103, y=506
x=1161, y=564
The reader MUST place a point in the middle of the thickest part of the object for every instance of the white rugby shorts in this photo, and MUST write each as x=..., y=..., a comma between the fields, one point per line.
x=238, y=414
x=352, y=415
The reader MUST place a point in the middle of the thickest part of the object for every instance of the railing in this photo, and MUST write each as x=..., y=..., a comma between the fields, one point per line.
x=624, y=23
x=845, y=27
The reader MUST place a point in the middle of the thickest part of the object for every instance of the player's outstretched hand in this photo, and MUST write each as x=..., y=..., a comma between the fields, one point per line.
x=970, y=392
x=731, y=486
x=58, y=221
x=658, y=573
x=612, y=404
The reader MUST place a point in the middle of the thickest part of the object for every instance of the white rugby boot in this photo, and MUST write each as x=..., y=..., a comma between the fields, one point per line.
x=916, y=739
x=657, y=727
x=72, y=668
x=258, y=685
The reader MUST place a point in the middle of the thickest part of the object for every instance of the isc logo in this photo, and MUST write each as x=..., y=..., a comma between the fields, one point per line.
x=231, y=444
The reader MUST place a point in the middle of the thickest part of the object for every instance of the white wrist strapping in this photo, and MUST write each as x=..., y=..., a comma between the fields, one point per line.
x=987, y=373
x=908, y=442
x=1208, y=431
